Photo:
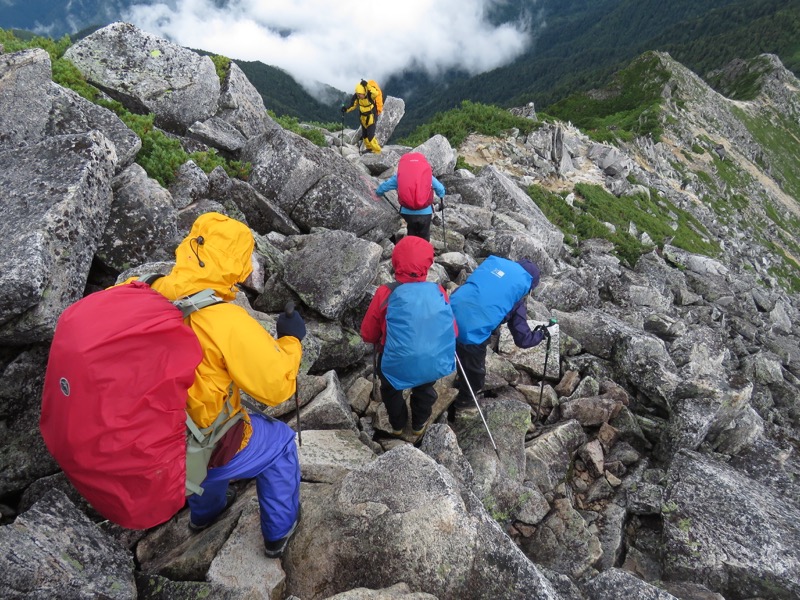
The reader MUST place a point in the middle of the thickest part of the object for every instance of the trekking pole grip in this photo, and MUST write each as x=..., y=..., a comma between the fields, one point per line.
x=288, y=311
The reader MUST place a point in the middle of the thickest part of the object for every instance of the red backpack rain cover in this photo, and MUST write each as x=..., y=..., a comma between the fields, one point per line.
x=114, y=400
x=414, y=177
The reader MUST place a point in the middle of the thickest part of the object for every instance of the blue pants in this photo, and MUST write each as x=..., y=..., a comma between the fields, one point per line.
x=271, y=457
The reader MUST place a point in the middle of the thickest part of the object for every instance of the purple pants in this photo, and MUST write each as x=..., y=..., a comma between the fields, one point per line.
x=271, y=458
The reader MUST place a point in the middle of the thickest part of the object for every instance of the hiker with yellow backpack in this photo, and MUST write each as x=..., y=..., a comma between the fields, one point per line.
x=368, y=98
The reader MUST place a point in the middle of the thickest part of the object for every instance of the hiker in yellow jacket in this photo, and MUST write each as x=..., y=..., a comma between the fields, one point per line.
x=239, y=354
x=369, y=101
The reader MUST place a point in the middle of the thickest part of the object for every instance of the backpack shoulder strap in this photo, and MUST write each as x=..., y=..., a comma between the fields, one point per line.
x=189, y=304
x=392, y=287
x=150, y=278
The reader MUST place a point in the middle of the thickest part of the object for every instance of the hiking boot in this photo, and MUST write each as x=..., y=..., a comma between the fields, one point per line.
x=420, y=431
x=460, y=402
x=275, y=549
x=230, y=498
x=396, y=433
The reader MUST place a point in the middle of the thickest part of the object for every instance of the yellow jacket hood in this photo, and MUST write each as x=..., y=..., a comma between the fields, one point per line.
x=216, y=254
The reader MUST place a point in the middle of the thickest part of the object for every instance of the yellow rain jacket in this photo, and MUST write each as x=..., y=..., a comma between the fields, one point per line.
x=366, y=105
x=238, y=353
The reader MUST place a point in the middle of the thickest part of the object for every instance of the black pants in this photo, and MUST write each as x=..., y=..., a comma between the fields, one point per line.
x=473, y=361
x=423, y=398
x=419, y=225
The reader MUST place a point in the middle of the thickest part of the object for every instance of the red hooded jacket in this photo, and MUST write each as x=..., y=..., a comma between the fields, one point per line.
x=411, y=259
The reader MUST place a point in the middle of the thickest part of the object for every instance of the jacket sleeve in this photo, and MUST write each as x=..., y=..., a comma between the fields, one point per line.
x=353, y=103
x=517, y=321
x=389, y=184
x=259, y=364
x=373, y=327
x=438, y=187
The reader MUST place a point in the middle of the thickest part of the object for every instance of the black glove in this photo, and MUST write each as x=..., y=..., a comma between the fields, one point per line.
x=344, y=109
x=292, y=325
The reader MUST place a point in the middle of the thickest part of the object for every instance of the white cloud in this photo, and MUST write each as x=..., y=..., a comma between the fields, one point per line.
x=338, y=42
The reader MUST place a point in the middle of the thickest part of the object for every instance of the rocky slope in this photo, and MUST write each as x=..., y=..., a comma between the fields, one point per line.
x=656, y=460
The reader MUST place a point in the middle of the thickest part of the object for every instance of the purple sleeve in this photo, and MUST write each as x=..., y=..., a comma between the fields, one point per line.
x=517, y=321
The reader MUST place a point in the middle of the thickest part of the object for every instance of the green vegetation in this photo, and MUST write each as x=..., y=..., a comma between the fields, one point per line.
x=223, y=66
x=310, y=131
x=461, y=163
x=744, y=84
x=594, y=207
x=161, y=155
x=629, y=108
x=779, y=136
x=458, y=123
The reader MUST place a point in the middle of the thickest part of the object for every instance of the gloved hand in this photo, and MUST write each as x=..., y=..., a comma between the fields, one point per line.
x=292, y=325
x=344, y=109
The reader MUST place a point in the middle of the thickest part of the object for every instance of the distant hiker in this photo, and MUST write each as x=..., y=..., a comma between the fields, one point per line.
x=368, y=98
x=415, y=185
x=495, y=293
x=411, y=324
x=239, y=354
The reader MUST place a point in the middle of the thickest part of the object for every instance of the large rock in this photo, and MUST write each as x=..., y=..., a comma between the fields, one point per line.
x=730, y=533
x=142, y=226
x=241, y=106
x=24, y=103
x=440, y=154
x=548, y=457
x=638, y=357
x=71, y=113
x=23, y=456
x=54, y=551
x=147, y=73
x=56, y=198
x=371, y=528
x=499, y=476
x=315, y=187
x=331, y=271
x=507, y=196
x=32, y=108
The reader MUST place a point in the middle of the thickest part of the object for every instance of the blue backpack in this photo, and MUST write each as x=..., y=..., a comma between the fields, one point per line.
x=481, y=304
x=420, y=339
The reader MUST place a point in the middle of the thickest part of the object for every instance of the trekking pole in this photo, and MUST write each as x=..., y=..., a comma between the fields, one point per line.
x=444, y=231
x=374, y=372
x=475, y=399
x=546, y=330
x=289, y=310
x=341, y=136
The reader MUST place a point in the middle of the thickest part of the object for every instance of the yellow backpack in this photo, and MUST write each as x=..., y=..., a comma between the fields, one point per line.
x=375, y=93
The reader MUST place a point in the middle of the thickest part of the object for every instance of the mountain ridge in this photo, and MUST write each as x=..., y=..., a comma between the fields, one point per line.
x=579, y=49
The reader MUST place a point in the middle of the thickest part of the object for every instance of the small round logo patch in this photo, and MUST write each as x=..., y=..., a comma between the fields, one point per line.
x=64, y=386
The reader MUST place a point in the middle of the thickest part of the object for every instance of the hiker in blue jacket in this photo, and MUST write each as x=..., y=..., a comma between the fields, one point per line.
x=418, y=221
x=493, y=295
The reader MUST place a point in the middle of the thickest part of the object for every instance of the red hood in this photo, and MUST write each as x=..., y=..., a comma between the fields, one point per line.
x=411, y=259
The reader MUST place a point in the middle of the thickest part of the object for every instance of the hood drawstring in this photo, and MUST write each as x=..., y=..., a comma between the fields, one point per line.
x=199, y=241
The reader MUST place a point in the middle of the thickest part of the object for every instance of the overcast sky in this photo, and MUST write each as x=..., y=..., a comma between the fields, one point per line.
x=340, y=41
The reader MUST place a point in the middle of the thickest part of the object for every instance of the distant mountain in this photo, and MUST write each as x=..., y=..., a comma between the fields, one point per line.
x=584, y=43
x=576, y=45
x=56, y=19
